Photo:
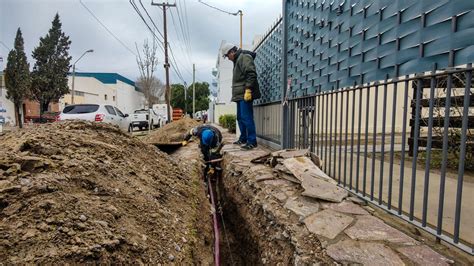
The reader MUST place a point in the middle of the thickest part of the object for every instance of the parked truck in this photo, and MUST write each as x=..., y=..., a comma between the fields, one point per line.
x=161, y=111
x=145, y=119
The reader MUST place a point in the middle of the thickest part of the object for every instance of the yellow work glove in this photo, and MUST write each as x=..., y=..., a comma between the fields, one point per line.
x=184, y=143
x=211, y=171
x=248, y=95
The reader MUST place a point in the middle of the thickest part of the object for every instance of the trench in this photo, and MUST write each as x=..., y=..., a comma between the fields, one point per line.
x=237, y=247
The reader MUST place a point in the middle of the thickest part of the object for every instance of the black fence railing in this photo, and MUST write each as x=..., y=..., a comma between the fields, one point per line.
x=404, y=144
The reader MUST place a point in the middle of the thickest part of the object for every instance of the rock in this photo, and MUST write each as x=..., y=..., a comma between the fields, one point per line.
x=283, y=169
x=14, y=168
x=300, y=165
x=29, y=234
x=345, y=207
x=327, y=223
x=302, y=206
x=322, y=189
x=11, y=189
x=171, y=257
x=423, y=255
x=363, y=253
x=83, y=218
x=31, y=163
x=371, y=228
x=177, y=248
x=4, y=184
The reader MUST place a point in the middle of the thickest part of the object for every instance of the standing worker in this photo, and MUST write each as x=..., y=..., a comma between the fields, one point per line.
x=210, y=141
x=244, y=90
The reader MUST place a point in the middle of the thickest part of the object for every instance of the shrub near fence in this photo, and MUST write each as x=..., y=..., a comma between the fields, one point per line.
x=229, y=122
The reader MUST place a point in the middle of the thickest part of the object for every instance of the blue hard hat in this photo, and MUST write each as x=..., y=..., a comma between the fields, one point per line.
x=206, y=137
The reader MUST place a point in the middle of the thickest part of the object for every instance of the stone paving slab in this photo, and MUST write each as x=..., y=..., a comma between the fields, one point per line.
x=366, y=253
x=322, y=189
x=302, y=206
x=345, y=207
x=424, y=255
x=327, y=223
x=371, y=228
x=300, y=165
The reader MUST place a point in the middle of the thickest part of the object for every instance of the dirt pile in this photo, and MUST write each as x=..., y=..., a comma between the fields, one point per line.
x=172, y=132
x=76, y=192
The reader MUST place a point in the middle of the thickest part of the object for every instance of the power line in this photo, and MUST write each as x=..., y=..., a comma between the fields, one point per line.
x=187, y=25
x=107, y=29
x=221, y=10
x=185, y=32
x=173, y=65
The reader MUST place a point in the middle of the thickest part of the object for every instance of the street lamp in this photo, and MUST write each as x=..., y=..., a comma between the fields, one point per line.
x=74, y=73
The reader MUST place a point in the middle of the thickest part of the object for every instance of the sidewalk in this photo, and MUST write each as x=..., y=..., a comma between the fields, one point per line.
x=346, y=232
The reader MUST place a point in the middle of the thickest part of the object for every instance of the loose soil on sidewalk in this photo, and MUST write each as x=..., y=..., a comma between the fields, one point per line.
x=172, y=132
x=79, y=192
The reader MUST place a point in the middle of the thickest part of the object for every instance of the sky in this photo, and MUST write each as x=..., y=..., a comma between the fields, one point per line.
x=207, y=28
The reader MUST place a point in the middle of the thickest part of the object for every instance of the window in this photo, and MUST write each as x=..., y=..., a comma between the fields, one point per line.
x=81, y=109
x=113, y=98
x=119, y=112
x=110, y=110
x=105, y=97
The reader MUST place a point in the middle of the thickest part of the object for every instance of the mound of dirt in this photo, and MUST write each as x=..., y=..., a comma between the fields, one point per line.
x=172, y=132
x=78, y=192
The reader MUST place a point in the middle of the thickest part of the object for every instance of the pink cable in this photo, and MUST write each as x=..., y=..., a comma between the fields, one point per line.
x=216, y=227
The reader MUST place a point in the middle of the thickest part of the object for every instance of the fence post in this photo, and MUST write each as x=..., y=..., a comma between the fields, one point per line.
x=284, y=81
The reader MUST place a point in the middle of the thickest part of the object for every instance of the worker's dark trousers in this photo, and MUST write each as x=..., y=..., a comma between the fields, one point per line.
x=246, y=123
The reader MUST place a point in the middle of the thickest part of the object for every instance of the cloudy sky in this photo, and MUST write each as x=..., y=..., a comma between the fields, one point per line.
x=207, y=28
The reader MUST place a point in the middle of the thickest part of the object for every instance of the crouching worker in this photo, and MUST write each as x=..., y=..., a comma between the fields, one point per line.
x=210, y=139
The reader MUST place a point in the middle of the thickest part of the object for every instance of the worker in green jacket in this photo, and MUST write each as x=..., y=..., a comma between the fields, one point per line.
x=244, y=90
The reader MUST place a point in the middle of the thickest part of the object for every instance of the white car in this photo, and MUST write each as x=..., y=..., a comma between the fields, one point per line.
x=96, y=112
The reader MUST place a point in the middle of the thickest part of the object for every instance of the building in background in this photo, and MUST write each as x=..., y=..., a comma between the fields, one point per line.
x=7, y=109
x=104, y=88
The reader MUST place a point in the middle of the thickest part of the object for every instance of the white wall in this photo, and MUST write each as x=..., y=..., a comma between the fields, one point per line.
x=8, y=105
x=120, y=94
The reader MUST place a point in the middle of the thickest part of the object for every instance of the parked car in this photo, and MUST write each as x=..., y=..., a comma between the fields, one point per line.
x=96, y=112
x=145, y=118
x=2, y=120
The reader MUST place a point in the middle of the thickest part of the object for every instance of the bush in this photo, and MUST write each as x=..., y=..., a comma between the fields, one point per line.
x=228, y=121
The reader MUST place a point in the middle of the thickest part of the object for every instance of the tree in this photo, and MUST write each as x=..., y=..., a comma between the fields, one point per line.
x=155, y=92
x=202, y=93
x=49, y=76
x=17, y=76
x=147, y=62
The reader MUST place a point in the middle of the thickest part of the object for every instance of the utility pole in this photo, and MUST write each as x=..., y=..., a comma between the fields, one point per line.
x=185, y=98
x=167, y=65
x=194, y=91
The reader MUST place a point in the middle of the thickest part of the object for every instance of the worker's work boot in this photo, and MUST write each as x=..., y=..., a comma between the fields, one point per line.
x=238, y=142
x=249, y=146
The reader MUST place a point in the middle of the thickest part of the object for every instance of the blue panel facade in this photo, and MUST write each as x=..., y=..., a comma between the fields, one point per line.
x=339, y=43
x=334, y=44
x=268, y=64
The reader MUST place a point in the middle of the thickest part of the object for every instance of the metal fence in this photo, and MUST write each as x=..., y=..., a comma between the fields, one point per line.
x=370, y=86
x=362, y=135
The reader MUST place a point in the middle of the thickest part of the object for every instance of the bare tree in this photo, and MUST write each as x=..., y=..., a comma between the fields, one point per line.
x=147, y=61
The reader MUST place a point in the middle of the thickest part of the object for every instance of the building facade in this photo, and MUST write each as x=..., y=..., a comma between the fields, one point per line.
x=104, y=88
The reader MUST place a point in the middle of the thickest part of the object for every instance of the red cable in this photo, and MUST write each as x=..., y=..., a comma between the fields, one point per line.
x=216, y=227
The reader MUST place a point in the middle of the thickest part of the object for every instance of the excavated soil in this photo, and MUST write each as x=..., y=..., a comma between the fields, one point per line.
x=79, y=192
x=172, y=132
